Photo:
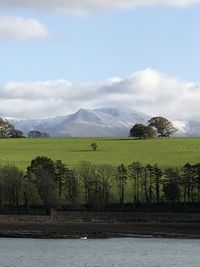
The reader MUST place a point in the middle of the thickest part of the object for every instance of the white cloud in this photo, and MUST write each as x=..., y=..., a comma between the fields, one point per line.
x=19, y=28
x=148, y=91
x=79, y=6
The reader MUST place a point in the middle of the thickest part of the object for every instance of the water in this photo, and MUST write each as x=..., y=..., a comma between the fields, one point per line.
x=99, y=253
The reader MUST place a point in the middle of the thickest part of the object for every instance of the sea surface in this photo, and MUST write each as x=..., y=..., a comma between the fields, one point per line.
x=123, y=252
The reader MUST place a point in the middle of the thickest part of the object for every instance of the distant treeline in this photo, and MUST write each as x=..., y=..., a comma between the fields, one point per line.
x=7, y=130
x=52, y=184
x=157, y=127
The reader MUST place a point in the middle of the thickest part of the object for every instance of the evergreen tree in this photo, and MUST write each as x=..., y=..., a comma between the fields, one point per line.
x=121, y=181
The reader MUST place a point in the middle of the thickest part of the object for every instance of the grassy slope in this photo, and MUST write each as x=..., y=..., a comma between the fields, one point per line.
x=166, y=152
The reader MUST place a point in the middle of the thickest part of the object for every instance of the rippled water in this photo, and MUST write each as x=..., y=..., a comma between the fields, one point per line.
x=98, y=253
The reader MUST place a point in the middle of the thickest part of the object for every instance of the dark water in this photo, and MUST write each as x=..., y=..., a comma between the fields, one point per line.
x=92, y=253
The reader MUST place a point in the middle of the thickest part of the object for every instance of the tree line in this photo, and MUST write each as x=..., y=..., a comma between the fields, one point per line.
x=7, y=130
x=156, y=127
x=53, y=184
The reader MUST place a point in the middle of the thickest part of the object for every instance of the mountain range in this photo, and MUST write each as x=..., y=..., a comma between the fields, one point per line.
x=104, y=122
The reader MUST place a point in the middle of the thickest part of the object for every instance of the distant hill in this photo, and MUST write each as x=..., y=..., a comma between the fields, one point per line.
x=190, y=128
x=103, y=122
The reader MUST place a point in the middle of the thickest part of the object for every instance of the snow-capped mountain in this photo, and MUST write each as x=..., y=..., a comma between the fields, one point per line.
x=104, y=122
x=190, y=128
x=98, y=122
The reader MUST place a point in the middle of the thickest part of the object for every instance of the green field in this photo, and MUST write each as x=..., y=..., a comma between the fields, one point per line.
x=173, y=152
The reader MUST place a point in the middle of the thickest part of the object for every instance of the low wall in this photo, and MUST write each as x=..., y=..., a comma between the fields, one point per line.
x=24, y=218
x=105, y=216
x=123, y=216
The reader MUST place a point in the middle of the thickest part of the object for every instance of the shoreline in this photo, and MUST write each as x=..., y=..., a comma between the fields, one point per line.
x=98, y=230
x=107, y=236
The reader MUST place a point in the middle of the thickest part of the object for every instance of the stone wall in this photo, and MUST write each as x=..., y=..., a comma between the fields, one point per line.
x=106, y=216
x=24, y=218
x=124, y=216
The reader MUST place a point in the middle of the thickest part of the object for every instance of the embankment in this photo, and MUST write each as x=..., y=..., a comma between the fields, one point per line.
x=101, y=224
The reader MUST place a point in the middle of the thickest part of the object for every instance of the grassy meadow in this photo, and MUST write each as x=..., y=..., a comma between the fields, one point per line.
x=171, y=152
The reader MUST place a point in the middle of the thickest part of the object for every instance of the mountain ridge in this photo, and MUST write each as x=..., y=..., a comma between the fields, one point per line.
x=85, y=122
x=101, y=122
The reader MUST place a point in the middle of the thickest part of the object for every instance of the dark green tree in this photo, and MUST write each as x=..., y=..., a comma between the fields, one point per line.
x=121, y=179
x=188, y=181
x=142, y=131
x=17, y=134
x=7, y=130
x=171, y=191
x=157, y=172
x=71, y=186
x=42, y=172
x=11, y=179
x=163, y=126
x=29, y=193
x=106, y=175
x=60, y=173
x=85, y=173
x=171, y=185
x=135, y=174
x=149, y=174
x=94, y=146
x=197, y=179
x=37, y=134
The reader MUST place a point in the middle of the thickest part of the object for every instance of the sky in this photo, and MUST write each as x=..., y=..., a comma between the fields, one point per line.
x=57, y=56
